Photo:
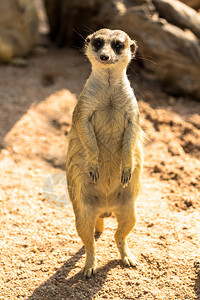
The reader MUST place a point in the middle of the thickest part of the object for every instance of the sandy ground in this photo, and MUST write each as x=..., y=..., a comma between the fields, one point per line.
x=41, y=256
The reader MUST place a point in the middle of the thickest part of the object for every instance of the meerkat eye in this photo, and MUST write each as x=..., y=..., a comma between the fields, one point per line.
x=117, y=46
x=98, y=43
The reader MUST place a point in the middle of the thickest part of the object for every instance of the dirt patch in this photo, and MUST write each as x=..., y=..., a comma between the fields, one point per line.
x=41, y=254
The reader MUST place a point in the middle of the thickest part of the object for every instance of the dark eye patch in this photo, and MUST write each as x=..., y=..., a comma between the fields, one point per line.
x=117, y=46
x=98, y=43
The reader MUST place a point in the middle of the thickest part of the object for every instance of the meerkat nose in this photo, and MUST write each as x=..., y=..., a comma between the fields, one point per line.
x=104, y=57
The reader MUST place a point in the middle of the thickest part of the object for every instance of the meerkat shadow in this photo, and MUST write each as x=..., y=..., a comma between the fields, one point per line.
x=60, y=286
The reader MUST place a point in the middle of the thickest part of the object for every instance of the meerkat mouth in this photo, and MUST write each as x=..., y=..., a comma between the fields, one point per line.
x=108, y=62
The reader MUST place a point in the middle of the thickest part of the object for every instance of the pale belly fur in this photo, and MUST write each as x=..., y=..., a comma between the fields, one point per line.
x=111, y=109
x=109, y=128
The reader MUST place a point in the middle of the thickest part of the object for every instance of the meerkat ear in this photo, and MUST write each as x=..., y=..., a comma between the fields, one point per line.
x=88, y=39
x=133, y=45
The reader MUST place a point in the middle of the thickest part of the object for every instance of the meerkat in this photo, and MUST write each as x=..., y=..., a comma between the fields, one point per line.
x=18, y=28
x=104, y=159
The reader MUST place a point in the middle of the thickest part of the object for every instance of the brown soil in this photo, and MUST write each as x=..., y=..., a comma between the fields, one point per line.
x=41, y=253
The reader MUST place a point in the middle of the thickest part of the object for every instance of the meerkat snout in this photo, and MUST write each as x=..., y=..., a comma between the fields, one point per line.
x=110, y=47
x=104, y=57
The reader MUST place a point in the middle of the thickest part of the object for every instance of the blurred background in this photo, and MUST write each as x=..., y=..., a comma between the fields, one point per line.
x=167, y=32
x=42, y=71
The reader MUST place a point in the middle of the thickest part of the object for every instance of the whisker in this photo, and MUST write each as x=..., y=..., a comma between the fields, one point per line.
x=88, y=29
x=80, y=48
x=153, y=62
x=134, y=71
x=79, y=34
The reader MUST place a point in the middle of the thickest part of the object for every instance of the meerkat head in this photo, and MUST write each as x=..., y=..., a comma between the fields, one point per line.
x=108, y=48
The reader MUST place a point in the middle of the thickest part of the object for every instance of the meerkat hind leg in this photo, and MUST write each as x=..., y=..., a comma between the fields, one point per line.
x=126, y=218
x=85, y=223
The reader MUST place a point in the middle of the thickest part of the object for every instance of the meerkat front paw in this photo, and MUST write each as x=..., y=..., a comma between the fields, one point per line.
x=94, y=172
x=126, y=176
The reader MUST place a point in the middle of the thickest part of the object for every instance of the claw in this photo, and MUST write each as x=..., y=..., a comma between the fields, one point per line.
x=94, y=173
x=95, y=178
x=126, y=176
x=130, y=261
x=89, y=272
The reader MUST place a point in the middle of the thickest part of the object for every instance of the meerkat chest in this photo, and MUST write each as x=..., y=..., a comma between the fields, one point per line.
x=109, y=120
x=110, y=105
x=111, y=101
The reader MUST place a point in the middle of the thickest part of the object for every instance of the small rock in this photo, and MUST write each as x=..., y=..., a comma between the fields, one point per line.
x=185, y=228
x=188, y=203
x=162, y=237
x=157, y=169
x=150, y=225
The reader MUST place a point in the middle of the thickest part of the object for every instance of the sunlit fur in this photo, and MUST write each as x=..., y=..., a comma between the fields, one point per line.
x=104, y=159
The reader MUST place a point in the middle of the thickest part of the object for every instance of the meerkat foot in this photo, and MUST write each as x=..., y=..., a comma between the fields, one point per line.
x=130, y=260
x=94, y=172
x=89, y=271
x=126, y=176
